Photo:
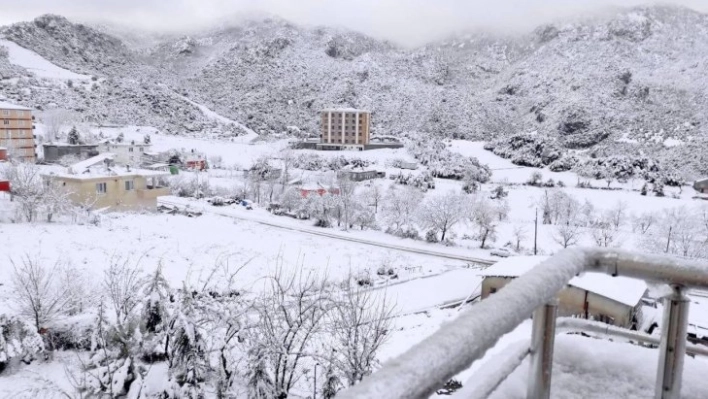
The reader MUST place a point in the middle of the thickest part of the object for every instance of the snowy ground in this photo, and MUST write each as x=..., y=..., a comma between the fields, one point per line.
x=37, y=64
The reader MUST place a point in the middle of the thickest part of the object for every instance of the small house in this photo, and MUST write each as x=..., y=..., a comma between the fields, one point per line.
x=54, y=152
x=613, y=300
x=130, y=153
x=317, y=189
x=409, y=165
x=98, y=183
x=357, y=175
x=701, y=185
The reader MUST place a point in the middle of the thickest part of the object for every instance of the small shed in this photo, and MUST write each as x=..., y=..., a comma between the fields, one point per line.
x=613, y=300
x=3, y=154
x=701, y=185
x=5, y=186
x=358, y=175
x=409, y=165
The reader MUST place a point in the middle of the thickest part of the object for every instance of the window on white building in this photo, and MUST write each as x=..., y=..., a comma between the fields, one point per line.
x=101, y=188
x=129, y=185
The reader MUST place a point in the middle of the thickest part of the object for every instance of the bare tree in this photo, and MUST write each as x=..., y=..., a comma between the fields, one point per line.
x=56, y=200
x=290, y=316
x=27, y=187
x=55, y=120
x=121, y=283
x=373, y=196
x=644, y=222
x=442, y=212
x=400, y=206
x=37, y=289
x=618, y=214
x=361, y=322
x=484, y=217
x=566, y=234
x=348, y=199
x=519, y=234
x=603, y=231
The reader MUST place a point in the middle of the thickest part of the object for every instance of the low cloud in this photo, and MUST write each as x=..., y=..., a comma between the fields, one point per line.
x=408, y=22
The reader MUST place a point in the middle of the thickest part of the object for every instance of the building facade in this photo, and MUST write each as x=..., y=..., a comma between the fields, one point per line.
x=130, y=153
x=54, y=152
x=343, y=129
x=134, y=190
x=16, y=132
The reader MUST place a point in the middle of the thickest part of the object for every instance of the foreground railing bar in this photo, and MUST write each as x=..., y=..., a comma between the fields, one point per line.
x=484, y=382
x=422, y=369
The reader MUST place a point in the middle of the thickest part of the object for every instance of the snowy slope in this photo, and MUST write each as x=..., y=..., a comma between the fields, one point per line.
x=37, y=64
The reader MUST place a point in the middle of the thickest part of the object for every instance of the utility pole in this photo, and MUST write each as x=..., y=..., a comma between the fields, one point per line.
x=314, y=388
x=668, y=240
x=535, y=233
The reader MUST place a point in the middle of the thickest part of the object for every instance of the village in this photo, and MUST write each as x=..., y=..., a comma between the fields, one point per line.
x=345, y=202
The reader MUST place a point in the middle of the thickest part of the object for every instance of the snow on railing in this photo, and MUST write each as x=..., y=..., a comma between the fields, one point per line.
x=455, y=346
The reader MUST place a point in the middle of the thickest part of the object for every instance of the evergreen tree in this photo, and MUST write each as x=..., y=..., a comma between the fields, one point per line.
x=644, y=189
x=146, y=139
x=188, y=357
x=120, y=138
x=155, y=318
x=260, y=383
x=74, y=137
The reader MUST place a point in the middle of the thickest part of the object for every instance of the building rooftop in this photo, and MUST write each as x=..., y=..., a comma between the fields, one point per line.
x=624, y=290
x=344, y=110
x=125, y=143
x=68, y=145
x=7, y=105
x=112, y=171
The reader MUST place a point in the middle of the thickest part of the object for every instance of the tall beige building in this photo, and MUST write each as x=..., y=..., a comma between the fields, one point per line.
x=344, y=129
x=16, y=132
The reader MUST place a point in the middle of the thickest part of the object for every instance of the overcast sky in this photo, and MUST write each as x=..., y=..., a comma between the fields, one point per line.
x=408, y=22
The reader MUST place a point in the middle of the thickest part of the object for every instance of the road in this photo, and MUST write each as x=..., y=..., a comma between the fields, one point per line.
x=239, y=214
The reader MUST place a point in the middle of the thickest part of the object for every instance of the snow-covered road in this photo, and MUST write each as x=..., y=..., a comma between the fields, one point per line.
x=230, y=212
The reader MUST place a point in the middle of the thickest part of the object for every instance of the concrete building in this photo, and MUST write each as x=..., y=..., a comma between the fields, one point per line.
x=613, y=300
x=55, y=152
x=16, y=132
x=101, y=184
x=344, y=129
x=357, y=175
x=126, y=153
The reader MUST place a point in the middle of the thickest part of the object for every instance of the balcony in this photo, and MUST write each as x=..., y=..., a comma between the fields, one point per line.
x=422, y=370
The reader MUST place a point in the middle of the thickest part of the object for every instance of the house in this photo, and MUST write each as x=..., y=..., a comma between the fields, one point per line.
x=613, y=300
x=99, y=183
x=344, y=129
x=54, y=152
x=125, y=153
x=318, y=189
x=409, y=165
x=357, y=175
x=383, y=141
x=701, y=185
x=16, y=131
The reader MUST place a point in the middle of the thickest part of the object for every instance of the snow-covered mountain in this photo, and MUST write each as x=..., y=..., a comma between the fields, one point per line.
x=634, y=76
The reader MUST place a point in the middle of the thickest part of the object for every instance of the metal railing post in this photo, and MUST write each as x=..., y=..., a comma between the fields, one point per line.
x=672, y=349
x=542, y=339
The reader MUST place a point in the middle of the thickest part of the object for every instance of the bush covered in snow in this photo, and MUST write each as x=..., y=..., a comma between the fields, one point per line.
x=18, y=340
x=527, y=149
x=445, y=164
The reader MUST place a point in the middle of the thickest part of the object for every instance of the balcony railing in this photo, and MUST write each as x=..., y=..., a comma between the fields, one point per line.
x=455, y=346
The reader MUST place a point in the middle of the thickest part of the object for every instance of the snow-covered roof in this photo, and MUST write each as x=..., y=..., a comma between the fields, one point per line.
x=698, y=314
x=624, y=290
x=125, y=144
x=7, y=105
x=344, y=110
x=80, y=167
x=99, y=172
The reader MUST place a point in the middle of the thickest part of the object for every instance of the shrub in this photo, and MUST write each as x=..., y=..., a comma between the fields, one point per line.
x=431, y=236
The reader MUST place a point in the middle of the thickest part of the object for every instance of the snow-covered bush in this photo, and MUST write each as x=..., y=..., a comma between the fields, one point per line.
x=527, y=149
x=18, y=340
x=443, y=163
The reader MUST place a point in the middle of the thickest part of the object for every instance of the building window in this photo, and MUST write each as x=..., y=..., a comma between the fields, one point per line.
x=492, y=290
x=5, y=112
x=6, y=122
x=129, y=185
x=130, y=149
x=101, y=188
x=22, y=123
x=142, y=149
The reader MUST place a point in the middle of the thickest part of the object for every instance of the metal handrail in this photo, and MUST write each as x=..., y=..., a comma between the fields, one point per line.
x=455, y=346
